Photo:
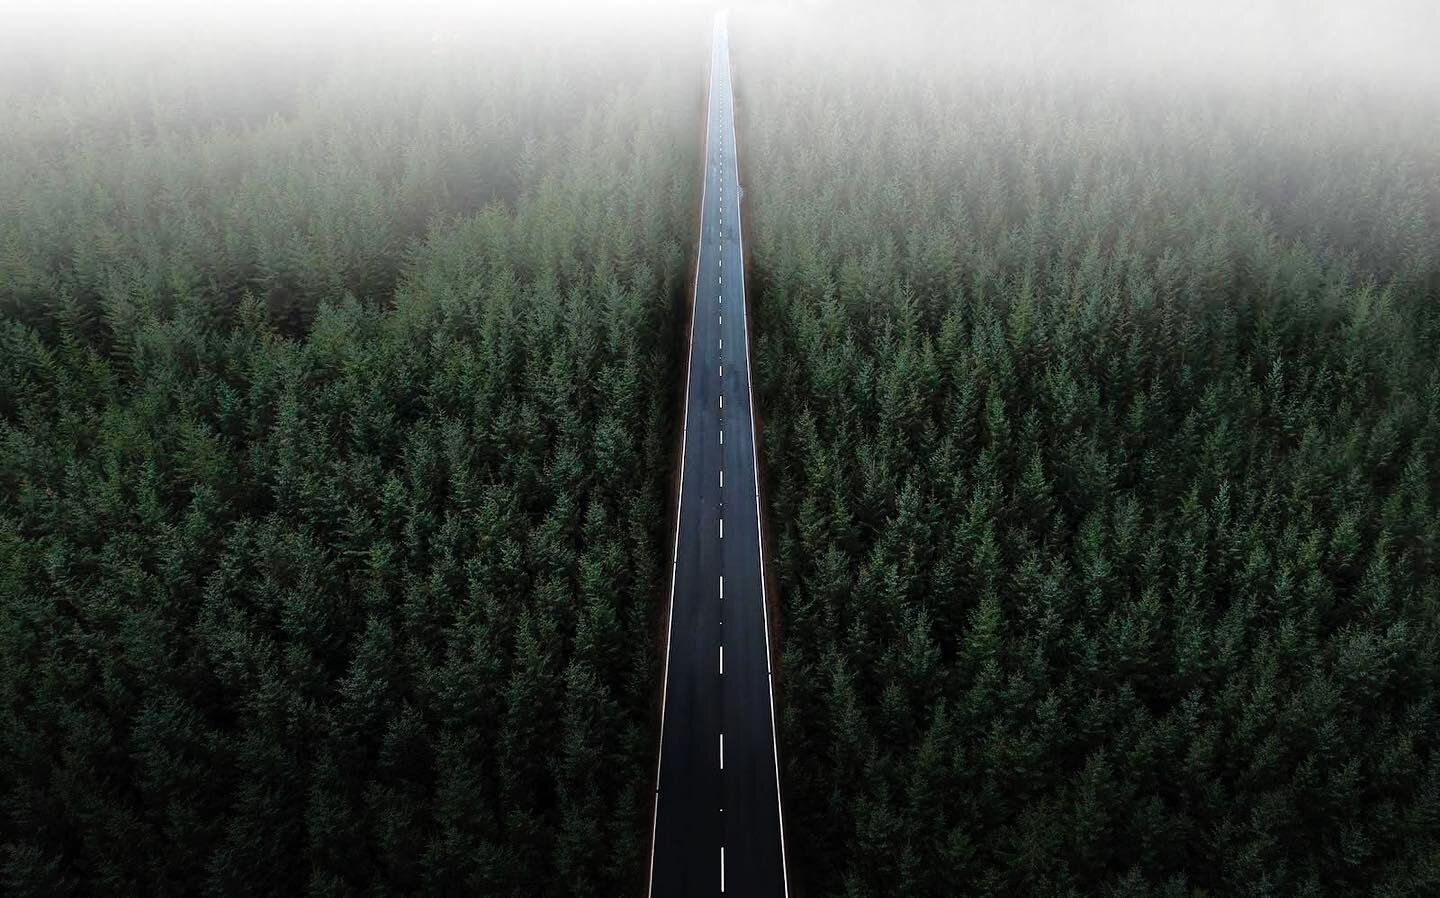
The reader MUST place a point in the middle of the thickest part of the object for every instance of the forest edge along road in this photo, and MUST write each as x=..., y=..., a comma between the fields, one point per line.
x=717, y=824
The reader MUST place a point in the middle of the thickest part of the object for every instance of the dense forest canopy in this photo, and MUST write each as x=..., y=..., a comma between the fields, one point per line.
x=335, y=428
x=1102, y=430
x=1097, y=353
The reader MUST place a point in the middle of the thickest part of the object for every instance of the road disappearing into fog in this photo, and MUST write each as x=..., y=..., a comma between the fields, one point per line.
x=717, y=826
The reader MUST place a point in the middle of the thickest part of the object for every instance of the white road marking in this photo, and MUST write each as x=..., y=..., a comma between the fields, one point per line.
x=675, y=555
x=722, y=263
x=722, y=344
x=722, y=478
x=722, y=437
x=722, y=401
x=722, y=751
x=722, y=528
x=722, y=370
x=722, y=586
x=722, y=660
x=759, y=541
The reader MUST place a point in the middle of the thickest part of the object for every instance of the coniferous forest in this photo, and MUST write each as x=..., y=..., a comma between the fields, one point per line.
x=1097, y=371
x=334, y=446
x=1102, y=435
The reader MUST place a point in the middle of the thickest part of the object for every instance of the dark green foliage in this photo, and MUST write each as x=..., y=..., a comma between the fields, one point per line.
x=335, y=444
x=1103, y=434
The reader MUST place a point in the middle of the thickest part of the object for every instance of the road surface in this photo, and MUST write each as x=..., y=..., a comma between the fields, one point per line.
x=718, y=827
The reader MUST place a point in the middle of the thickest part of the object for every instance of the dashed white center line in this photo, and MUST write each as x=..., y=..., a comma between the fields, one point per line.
x=722, y=586
x=722, y=401
x=722, y=528
x=722, y=751
x=722, y=660
x=722, y=344
x=722, y=437
x=722, y=868
x=722, y=479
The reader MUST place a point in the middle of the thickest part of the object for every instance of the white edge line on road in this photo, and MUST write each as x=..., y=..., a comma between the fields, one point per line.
x=680, y=493
x=759, y=521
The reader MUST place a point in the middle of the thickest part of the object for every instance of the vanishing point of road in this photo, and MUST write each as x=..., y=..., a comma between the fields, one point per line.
x=718, y=827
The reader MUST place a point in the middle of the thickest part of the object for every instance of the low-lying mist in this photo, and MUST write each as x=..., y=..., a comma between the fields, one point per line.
x=1389, y=40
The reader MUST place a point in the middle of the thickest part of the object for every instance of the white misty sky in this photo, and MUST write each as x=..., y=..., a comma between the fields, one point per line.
x=1397, y=38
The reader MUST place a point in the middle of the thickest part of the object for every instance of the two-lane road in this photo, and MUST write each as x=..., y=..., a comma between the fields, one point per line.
x=718, y=826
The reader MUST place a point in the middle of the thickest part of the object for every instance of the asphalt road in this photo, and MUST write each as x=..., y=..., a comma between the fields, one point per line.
x=718, y=826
